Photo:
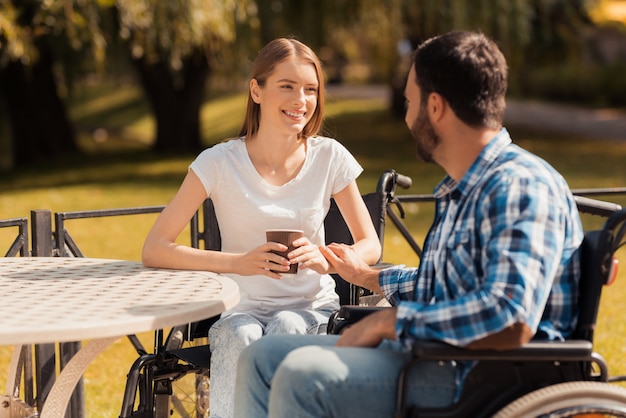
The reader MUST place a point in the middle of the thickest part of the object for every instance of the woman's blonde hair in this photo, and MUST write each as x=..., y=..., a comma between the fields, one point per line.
x=273, y=53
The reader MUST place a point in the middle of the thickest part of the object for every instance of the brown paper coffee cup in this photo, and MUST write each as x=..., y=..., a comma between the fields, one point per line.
x=286, y=237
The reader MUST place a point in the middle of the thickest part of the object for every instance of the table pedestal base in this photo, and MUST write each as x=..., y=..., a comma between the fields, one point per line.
x=12, y=407
x=60, y=394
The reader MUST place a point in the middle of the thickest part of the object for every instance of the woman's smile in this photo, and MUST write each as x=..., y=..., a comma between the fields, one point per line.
x=297, y=115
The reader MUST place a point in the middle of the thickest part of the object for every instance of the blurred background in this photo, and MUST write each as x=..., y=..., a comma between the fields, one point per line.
x=89, y=76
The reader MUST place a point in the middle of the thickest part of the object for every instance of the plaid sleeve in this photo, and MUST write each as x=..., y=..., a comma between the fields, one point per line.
x=398, y=283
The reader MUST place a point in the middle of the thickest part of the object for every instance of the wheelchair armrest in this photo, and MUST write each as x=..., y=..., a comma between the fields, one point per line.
x=569, y=350
x=348, y=315
x=354, y=313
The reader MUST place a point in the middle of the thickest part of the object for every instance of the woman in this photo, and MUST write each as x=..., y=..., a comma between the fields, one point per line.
x=277, y=174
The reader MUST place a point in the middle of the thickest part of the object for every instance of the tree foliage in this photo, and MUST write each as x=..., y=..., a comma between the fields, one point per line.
x=175, y=46
x=42, y=43
x=528, y=31
x=172, y=30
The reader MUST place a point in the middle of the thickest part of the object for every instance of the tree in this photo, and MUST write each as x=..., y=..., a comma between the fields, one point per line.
x=364, y=33
x=174, y=47
x=528, y=31
x=33, y=35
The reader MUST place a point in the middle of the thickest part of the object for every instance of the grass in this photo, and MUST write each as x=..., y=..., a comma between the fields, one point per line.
x=136, y=177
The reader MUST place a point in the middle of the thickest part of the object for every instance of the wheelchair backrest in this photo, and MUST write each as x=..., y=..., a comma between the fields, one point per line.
x=211, y=232
x=597, y=251
x=337, y=231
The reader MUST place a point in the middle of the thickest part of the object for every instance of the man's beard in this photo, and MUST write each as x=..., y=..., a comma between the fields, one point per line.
x=424, y=135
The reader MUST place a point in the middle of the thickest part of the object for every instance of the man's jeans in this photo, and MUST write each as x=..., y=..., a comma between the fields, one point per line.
x=310, y=377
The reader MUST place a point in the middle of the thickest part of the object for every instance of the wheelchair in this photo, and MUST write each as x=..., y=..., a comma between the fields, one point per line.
x=150, y=391
x=540, y=378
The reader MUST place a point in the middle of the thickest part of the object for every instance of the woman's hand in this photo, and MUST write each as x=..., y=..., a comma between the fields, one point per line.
x=309, y=256
x=260, y=260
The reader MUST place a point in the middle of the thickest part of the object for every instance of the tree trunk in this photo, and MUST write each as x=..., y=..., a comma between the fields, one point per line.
x=40, y=128
x=176, y=102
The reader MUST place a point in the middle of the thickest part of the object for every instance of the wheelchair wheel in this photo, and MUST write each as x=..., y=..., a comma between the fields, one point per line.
x=190, y=393
x=572, y=399
x=190, y=397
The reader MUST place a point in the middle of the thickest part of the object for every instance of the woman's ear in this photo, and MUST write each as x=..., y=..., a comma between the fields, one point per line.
x=255, y=91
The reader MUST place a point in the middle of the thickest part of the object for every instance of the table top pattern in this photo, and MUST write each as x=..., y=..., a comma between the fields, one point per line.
x=48, y=299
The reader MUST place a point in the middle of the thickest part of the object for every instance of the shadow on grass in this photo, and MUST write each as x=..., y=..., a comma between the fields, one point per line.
x=79, y=169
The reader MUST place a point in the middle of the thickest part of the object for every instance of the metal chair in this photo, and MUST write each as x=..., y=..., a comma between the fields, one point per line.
x=20, y=242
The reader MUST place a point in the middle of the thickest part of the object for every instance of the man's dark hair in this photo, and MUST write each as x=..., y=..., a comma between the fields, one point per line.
x=469, y=71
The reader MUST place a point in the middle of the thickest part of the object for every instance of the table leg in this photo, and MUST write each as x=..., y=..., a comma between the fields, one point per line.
x=10, y=405
x=56, y=403
x=15, y=369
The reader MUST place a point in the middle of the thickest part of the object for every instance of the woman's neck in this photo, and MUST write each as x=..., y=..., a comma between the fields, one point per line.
x=277, y=160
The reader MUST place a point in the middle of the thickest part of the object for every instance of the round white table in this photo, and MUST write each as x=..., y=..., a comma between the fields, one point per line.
x=61, y=299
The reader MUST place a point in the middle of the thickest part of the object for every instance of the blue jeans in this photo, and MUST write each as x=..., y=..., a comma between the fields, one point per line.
x=230, y=335
x=310, y=377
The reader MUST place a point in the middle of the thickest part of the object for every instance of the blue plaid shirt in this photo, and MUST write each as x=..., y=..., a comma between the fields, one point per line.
x=503, y=248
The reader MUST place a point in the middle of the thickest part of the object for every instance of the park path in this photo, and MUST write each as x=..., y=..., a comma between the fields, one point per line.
x=532, y=115
x=567, y=120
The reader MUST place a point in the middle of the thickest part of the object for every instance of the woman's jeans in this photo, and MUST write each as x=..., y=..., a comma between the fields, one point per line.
x=310, y=377
x=230, y=335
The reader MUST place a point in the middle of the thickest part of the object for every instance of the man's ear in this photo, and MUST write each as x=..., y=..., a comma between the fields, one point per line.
x=255, y=91
x=436, y=106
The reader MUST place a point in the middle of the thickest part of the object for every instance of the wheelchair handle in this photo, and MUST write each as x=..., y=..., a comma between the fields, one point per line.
x=403, y=181
x=390, y=178
x=596, y=207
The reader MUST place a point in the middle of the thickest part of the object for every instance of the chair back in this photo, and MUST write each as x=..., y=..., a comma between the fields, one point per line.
x=337, y=231
x=210, y=234
x=20, y=242
x=597, y=269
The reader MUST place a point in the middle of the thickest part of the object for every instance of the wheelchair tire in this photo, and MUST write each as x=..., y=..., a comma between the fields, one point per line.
x=570, y=399
x=189, y=396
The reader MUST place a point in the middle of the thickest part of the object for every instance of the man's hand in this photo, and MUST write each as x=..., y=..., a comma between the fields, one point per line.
x=371, y=330
x=351, y=267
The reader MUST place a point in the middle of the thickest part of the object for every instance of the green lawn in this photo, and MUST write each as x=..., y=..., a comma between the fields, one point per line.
x=136, y=177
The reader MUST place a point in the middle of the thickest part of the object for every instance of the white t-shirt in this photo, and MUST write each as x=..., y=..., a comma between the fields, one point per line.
x=246, y=206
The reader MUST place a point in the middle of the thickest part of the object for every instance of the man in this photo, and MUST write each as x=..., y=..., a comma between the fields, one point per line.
x=500, y=263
